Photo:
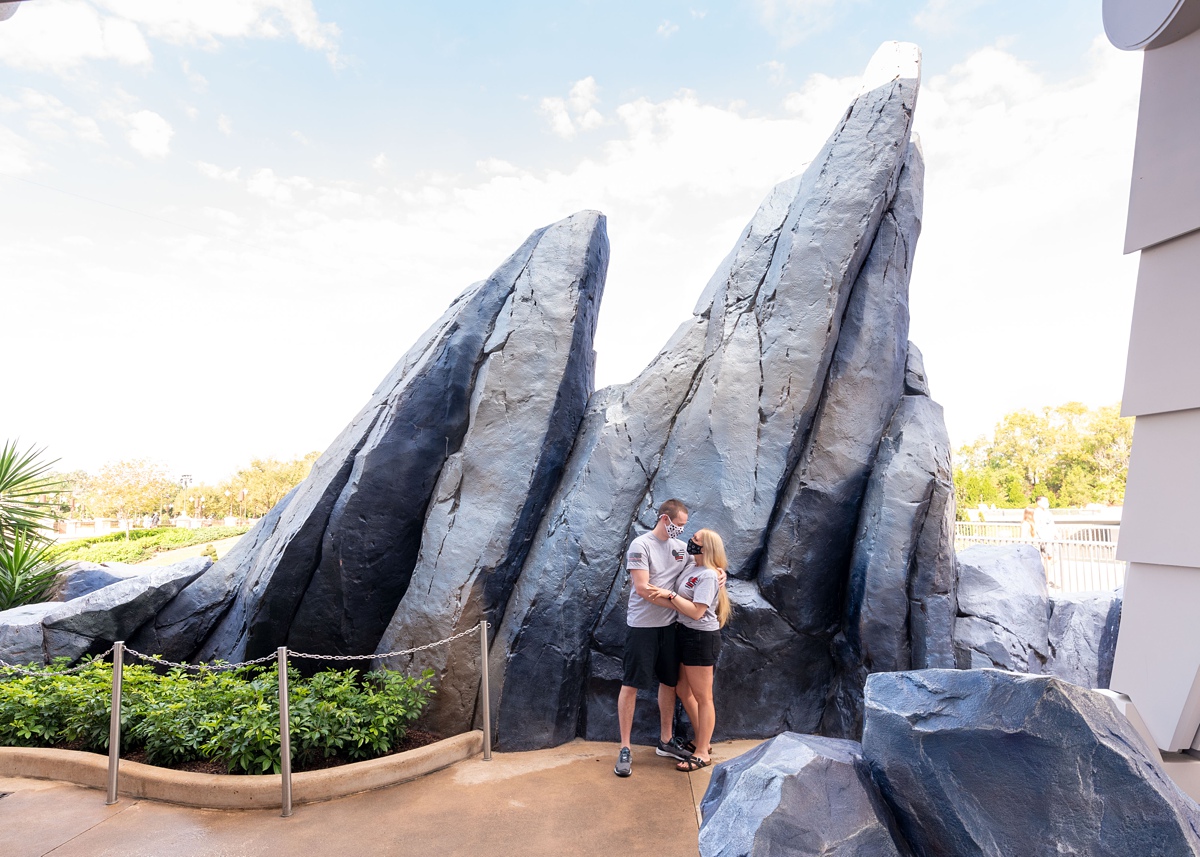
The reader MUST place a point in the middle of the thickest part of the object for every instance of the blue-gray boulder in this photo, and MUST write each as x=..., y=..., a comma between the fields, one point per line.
x=985, y=762
x=1003, y=607
x=22, y=638
x=82, y=578
x=92, y=623
x=797, y=795
x=1083, y=637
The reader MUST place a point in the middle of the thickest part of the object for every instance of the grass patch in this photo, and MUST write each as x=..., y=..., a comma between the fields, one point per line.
x=140, y=545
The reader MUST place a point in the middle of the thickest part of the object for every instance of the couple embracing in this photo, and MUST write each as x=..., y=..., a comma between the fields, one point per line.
x=677, y=606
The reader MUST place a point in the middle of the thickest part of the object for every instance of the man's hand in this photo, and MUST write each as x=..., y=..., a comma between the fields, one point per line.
x=721, y=577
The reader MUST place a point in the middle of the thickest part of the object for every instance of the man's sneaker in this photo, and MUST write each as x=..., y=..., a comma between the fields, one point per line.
x=624, y=763
x=672, y=749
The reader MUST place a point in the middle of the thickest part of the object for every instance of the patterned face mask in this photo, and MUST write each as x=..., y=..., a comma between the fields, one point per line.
x=693, y=548
x=673, y=531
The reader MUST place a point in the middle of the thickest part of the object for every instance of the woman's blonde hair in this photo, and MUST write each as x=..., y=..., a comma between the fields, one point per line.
x=713, y=556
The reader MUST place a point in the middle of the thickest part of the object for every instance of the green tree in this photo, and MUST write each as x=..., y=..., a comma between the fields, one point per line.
x=129, y=489
x=265, y=482
x=1072, y=454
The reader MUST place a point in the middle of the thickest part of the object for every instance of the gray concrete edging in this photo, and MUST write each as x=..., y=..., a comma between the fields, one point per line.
x=250, y=791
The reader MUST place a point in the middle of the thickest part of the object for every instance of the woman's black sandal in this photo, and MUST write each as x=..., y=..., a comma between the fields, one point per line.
x=692, y=763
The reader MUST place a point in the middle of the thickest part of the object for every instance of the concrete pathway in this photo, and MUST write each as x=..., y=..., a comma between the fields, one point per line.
x=564, y=801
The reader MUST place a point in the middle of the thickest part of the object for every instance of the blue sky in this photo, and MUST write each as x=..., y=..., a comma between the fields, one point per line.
x=224, y=221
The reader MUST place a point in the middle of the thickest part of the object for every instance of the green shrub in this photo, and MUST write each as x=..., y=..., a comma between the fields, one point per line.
x=231, y=716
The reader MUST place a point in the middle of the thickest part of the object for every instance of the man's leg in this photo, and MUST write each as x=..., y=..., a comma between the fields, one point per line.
x=666, y=711
x=626, y=701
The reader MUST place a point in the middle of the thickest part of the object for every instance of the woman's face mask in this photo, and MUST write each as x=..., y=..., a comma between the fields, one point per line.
x=693, y=548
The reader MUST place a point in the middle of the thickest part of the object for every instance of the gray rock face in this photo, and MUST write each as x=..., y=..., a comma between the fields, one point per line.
x=915, y=382
x=903, y=562
x=1083, y=637
x=93, y=622
x=1004, y=609
x=21, y=637
x=82, y=578
x=272, y=581
x=982, y=762
x=771, y=337
x=797, y=795
x=809, y=546
x=528, y=401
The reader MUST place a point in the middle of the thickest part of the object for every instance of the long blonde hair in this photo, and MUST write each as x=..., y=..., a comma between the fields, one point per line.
x=713, y=556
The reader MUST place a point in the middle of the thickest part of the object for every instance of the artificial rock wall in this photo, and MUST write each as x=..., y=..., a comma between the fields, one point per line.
x=487, y=479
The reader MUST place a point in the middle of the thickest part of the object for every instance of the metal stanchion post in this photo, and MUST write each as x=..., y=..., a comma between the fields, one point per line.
x=285, y=737
x=114, y=723
x=484, y=692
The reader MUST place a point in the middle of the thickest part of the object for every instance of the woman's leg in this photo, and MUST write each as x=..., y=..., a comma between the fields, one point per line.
x=684, y=691
x=700, y=686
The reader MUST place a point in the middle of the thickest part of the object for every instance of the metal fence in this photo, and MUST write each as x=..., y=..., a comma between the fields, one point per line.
x=119, y=650
x=1082, y=559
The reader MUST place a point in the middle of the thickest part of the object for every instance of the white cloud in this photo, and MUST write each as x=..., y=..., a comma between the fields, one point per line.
x=380, y=163
x=793, y=21
x=577, y=111
x=212, y=171
x=58, y=36
x=667, y=29
x=149, y=134
x=776, y=70
x=207, y=23
x=199, y=82
x=943, y=17
x=225, y=125
x=698, y=14
x=16, y=153
x=47, y=118
x=300, y=138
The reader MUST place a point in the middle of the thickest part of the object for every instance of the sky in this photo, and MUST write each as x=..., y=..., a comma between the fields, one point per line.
x=222, y=222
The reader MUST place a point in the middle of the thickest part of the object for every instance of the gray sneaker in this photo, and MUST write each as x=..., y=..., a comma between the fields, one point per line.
x=672, y=749
x=624, y=763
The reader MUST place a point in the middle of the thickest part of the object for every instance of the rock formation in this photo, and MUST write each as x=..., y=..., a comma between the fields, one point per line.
x=979, y=762
x=797, y=795
x=956, y=763
x=485, y=479
x=1083, y=637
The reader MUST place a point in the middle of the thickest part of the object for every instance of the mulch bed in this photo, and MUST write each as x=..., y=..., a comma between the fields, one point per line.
x=414, y=739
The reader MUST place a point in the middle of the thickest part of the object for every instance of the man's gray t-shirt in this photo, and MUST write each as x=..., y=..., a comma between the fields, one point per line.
x=699, y=585
x=665, y=560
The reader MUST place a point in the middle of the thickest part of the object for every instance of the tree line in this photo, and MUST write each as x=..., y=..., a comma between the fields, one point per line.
x=1071, y=454
x=137, y=488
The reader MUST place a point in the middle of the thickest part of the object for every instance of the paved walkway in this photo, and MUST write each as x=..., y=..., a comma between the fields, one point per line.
x=221, y=546
x=564, y=801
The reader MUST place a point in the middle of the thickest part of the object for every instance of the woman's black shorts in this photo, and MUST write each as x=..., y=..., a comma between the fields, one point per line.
x=697, y=648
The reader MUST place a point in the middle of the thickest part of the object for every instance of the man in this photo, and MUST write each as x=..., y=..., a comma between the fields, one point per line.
x=655, y=560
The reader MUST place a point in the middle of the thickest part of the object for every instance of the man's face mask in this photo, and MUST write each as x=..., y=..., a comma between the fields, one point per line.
x=673, y=531
x=693, y=548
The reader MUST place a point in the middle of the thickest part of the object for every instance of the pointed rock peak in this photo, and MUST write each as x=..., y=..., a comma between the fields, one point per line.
x=892, y=61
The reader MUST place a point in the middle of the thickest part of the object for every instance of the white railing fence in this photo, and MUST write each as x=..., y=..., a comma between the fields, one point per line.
x=1082, y=559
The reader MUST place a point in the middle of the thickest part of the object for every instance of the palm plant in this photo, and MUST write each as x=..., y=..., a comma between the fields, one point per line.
x=27, y=565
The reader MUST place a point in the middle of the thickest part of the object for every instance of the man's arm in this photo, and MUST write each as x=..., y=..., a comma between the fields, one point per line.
x=641, y=582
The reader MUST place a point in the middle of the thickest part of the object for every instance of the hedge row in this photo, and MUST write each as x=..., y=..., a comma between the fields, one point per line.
x=231, y=717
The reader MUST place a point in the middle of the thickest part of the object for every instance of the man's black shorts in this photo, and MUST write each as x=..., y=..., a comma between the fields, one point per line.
x=650, y=658
x=697, y=648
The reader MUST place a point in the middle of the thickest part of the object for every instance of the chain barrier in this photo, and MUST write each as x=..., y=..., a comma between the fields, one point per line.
x=7, y=667
x=474, y=629
x=216, y=668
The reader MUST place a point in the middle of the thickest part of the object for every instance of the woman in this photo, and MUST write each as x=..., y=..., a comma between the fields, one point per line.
x=703, y=607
